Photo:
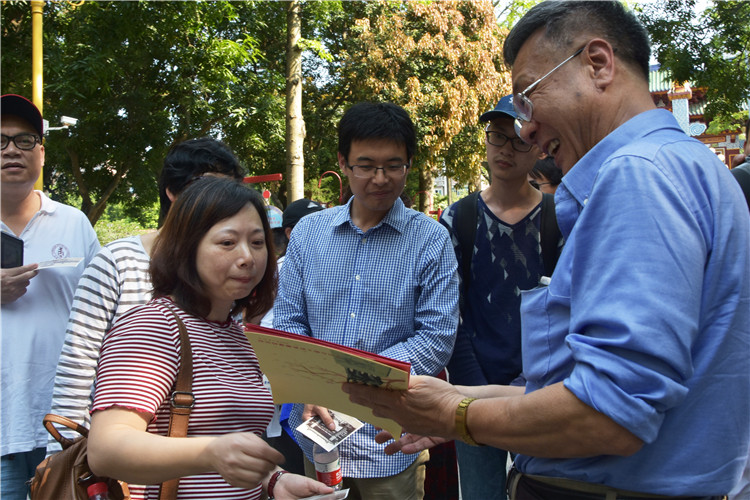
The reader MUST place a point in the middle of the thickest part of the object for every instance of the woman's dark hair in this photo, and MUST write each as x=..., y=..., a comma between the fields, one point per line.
x=548, y=169
x=199, y=207
x=376, y=120
x=190, y=159
x=563, y=21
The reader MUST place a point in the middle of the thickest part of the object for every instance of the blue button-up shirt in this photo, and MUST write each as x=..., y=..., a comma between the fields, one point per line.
x=392, y=290
x=647, y=316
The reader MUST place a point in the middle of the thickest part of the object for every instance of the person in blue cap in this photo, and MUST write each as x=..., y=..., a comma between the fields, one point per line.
x=496, y=237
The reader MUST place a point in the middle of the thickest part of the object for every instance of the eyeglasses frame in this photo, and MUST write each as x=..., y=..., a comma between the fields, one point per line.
x=507, y=138
x=12, y=138
x=521, y=96
x=404, y=166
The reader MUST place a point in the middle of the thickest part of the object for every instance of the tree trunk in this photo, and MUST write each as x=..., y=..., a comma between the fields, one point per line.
x=426, y=189
x=295, y=123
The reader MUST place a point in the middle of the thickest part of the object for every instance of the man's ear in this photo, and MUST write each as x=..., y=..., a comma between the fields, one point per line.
x=600, y=56
x=342, y=164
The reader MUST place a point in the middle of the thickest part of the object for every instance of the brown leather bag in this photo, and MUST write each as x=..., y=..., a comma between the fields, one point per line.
x=66, y=474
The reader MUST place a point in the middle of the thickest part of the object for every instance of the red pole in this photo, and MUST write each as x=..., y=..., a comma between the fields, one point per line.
x=341, y=185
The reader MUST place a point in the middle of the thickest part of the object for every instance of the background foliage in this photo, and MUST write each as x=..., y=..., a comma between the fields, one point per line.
x=710, y=48
x=143, y=75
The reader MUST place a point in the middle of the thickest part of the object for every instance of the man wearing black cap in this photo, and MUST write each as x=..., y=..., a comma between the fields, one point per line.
x=499, y=237
x=291, y=216
x=35, y=302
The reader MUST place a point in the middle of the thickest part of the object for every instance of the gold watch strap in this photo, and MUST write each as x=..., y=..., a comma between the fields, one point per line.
x=461, y=427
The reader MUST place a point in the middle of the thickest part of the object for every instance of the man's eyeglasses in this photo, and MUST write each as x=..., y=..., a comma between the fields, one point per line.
x=522, y=104
x=25, y=142
x=369, y=171
x=499, y=139
x=538, y=184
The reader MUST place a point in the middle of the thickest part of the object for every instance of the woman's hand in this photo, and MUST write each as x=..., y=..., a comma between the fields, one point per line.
x=242, y=458
x=293, y=486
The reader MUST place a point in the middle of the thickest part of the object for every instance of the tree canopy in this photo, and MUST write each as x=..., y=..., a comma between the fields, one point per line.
x=711, y=49
x=142, y=76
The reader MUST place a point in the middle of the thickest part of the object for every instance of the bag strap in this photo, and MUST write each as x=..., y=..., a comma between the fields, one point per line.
x=181, y=401
x=549, y=233
x=50, y=419
x=465, y=229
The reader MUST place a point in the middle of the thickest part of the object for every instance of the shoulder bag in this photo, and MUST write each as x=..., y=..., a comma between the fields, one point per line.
x=66, y=474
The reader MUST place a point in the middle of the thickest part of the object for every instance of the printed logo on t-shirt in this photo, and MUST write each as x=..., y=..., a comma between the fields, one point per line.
x=60, y=251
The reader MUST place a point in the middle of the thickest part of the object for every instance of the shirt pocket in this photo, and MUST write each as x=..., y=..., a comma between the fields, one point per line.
x=545, y=316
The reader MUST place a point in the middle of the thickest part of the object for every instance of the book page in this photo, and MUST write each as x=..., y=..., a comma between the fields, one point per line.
x=310, y=371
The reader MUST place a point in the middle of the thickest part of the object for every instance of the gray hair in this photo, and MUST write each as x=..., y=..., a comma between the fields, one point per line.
x=563, y=21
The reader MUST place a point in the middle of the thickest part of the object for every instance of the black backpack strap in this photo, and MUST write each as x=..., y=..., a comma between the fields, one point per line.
x=550, y=234
x=465, y=227
x=742, y=175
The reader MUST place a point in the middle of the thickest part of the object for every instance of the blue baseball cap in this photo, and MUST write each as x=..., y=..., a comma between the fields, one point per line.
x=503, y=108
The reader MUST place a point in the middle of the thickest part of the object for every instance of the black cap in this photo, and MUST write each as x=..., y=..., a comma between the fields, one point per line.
x=298, y=209
x=12, y=104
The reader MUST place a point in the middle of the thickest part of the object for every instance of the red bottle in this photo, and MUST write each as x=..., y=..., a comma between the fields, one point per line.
x=98, y=491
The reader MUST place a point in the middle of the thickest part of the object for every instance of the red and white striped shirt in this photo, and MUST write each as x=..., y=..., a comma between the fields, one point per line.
x=138, y=368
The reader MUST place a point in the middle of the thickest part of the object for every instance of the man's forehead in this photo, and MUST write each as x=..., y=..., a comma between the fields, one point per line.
x=8, y=120
x=532, y=60
x=377, y=148
x=502, y=123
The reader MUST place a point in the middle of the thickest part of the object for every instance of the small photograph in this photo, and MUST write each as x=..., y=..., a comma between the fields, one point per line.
x=314, y=429
x=336, y=495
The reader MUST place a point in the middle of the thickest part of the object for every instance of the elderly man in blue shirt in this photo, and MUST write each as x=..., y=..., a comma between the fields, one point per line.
x=377, y=276
x=637, y=353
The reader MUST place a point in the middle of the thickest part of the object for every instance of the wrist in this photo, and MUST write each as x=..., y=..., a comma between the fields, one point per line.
x=273, y=481
x=462, y=428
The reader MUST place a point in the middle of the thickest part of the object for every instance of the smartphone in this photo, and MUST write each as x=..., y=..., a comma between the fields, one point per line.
x=12, y=251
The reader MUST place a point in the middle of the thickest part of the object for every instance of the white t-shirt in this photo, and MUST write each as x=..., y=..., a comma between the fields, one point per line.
x=33, y=326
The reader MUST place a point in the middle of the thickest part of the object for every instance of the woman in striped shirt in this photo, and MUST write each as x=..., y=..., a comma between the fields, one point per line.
x=117, y=280
x=210, y=261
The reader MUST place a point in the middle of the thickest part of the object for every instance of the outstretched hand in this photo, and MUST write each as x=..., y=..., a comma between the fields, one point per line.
x=427, y=408
x=408, y=444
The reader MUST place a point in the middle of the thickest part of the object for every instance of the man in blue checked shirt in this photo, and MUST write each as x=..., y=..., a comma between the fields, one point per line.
x=377, y=276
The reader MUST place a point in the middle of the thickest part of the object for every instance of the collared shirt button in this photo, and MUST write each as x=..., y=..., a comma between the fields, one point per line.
x=352, y=315
x=364, y=240
x=357, y=277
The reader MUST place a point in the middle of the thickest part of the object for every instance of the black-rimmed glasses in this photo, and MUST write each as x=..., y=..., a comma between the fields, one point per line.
x=369, y=171
x=499, y=139
x=24, y=142
x=538, y=184
x=523, y=105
